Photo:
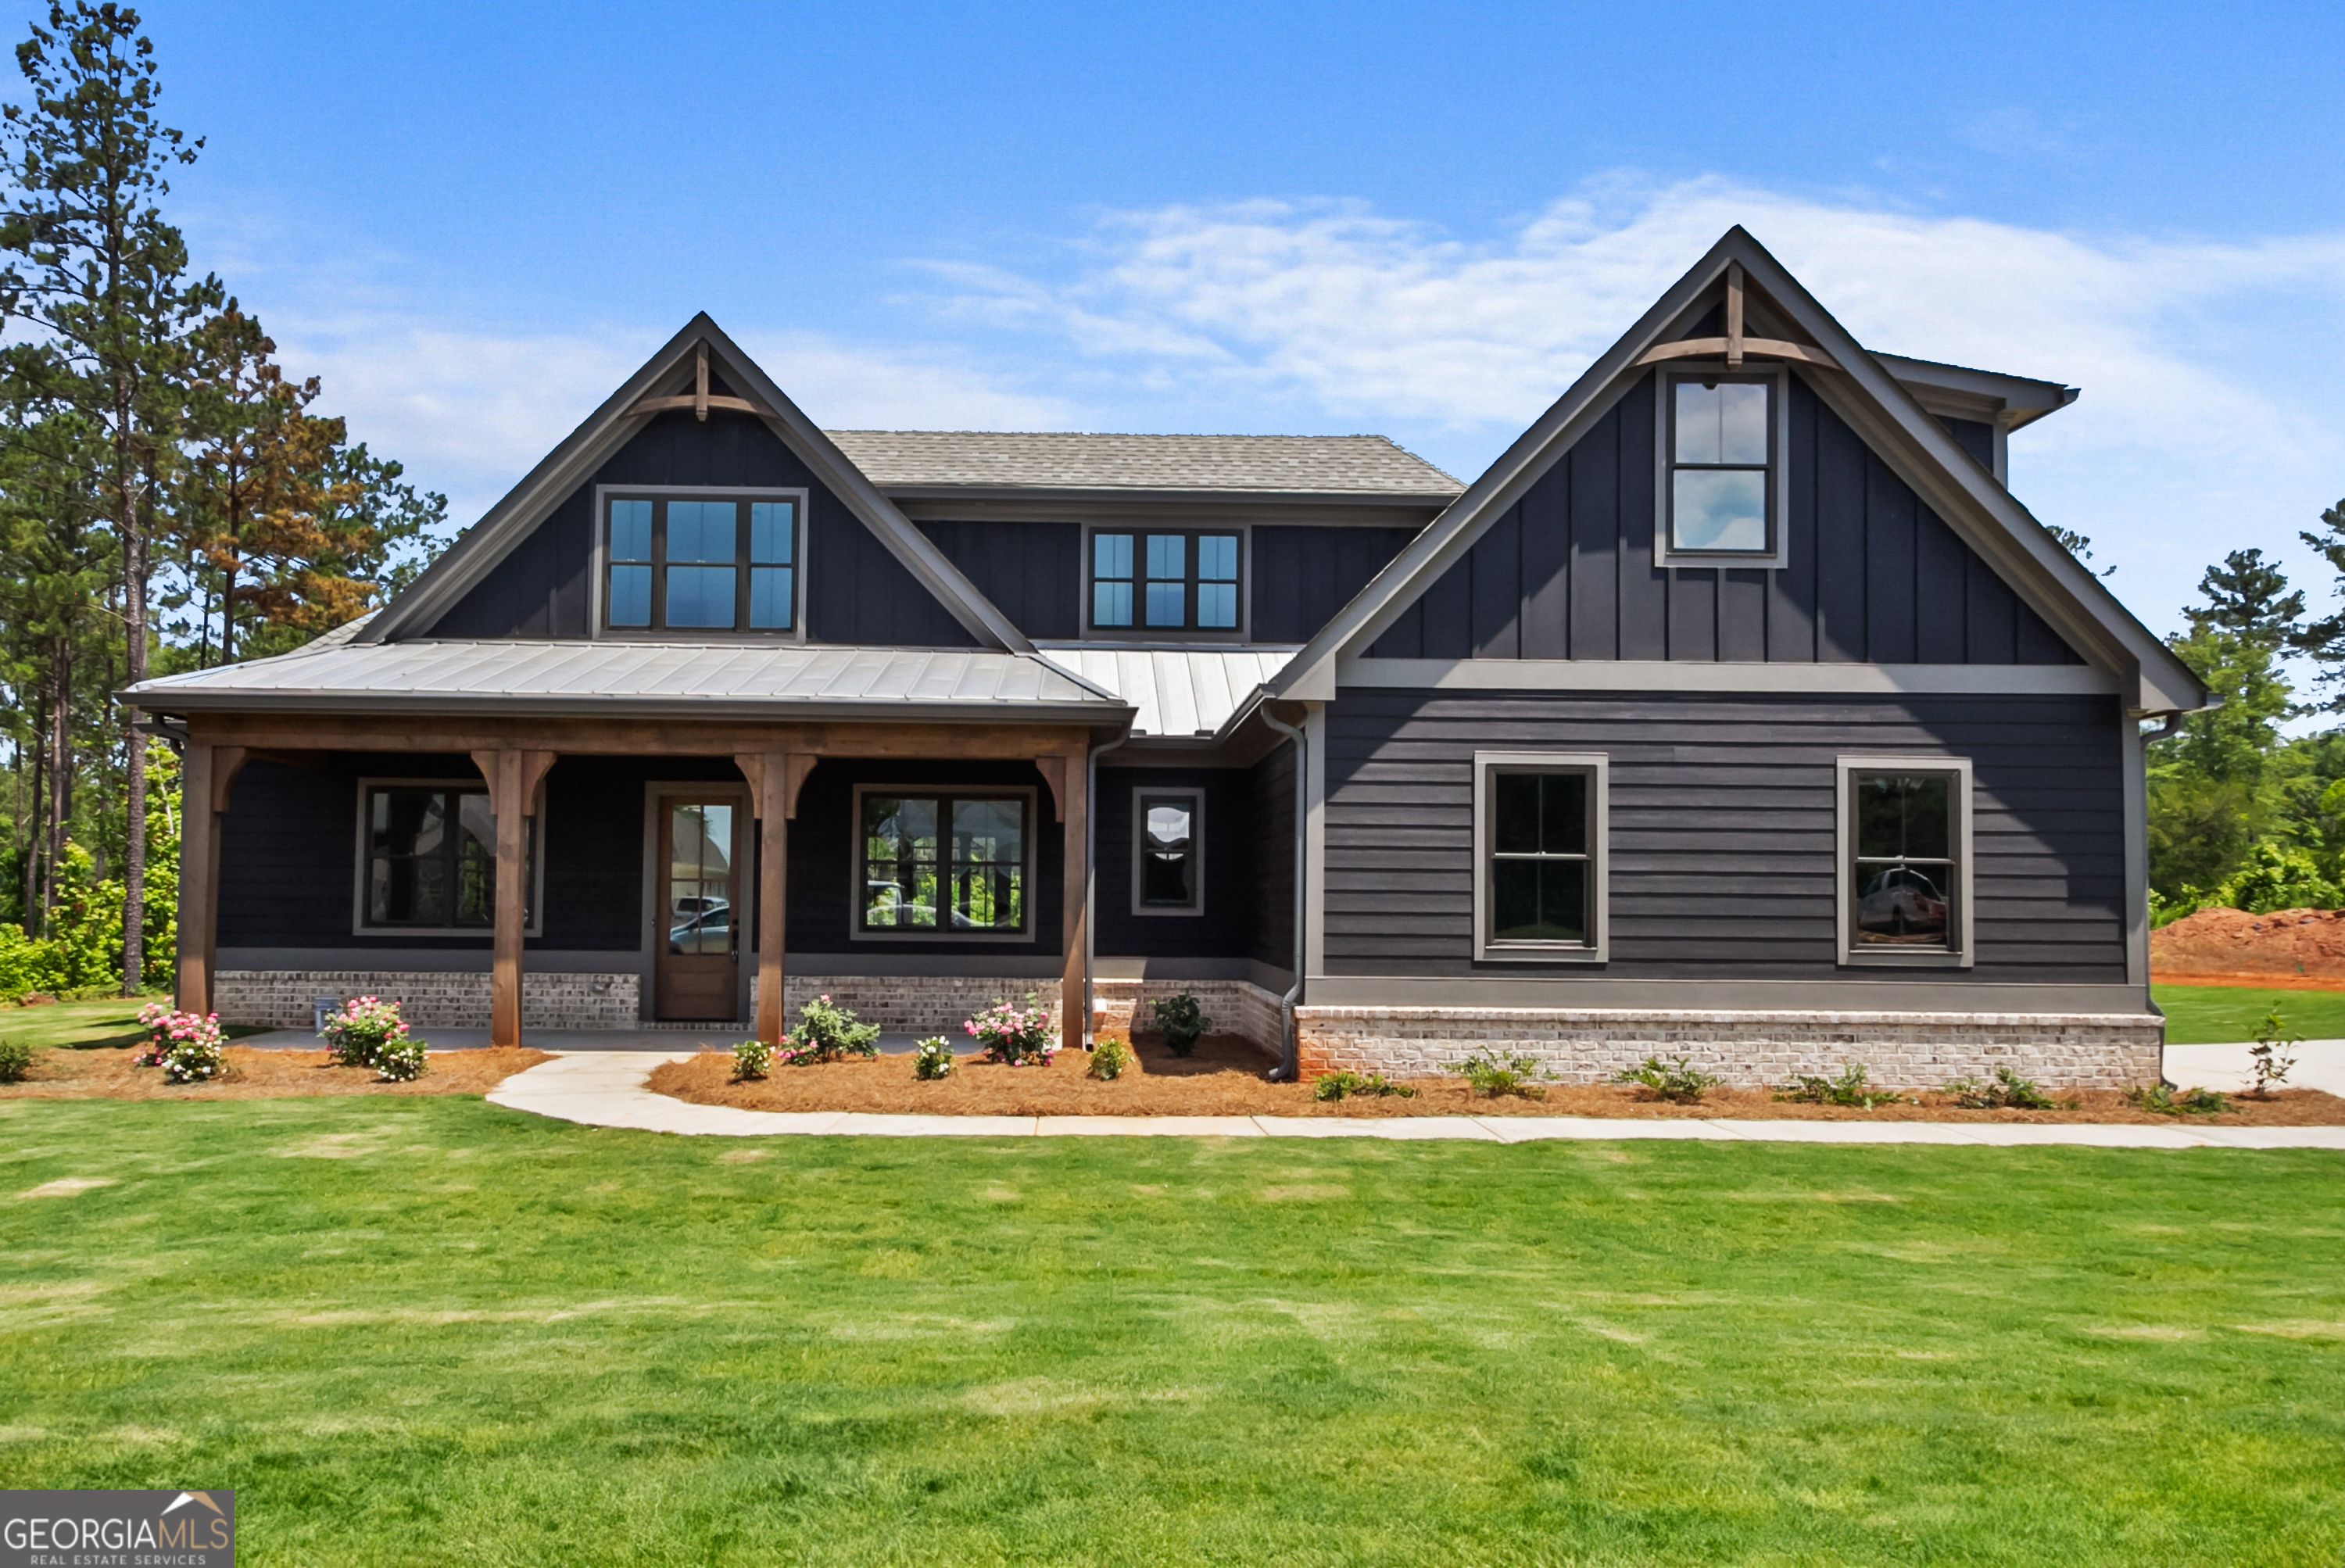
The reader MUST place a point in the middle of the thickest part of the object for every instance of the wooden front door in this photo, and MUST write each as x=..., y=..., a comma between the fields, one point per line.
x=698, y=973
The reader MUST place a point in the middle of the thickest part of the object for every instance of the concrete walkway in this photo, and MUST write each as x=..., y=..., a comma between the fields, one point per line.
x=605, y=1089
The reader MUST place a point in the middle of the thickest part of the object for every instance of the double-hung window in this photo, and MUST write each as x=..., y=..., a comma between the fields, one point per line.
x=428, y=857
x=1168, y=847
x=1167, y=582
x=1906, y=857
x=945, y=863
x=1541, y=875
x=701, y=562
x=1721, y=469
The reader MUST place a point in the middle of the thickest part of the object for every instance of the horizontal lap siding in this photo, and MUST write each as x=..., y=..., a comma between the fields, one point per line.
x=857, y=592
x=1723, y=829
x=1871, y=573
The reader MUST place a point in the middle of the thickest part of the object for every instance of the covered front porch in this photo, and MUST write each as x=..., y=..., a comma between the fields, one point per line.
x=661, y=876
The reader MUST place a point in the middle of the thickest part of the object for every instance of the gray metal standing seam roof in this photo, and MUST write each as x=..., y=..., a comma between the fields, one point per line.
x=1180, y=692
x=1288, y=464
x=731, y=680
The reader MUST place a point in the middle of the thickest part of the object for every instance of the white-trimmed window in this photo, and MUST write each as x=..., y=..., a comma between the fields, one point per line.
x=1541, y=861
x=1721, y=473
x=1905, y=861
x=1168, y=851
x=699, y=561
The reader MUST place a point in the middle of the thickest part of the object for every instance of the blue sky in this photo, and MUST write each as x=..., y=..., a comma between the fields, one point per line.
x=1420, y=220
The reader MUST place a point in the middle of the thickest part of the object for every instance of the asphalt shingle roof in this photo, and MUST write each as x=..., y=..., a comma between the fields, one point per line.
x=1292, y=464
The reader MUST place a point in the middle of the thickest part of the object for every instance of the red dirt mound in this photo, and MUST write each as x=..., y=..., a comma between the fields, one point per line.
x=2290, y=949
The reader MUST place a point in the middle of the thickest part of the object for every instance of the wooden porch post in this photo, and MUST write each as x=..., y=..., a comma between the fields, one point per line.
x=206, y=773
x=513, y=777
x=769, y=786
x=1074, y=811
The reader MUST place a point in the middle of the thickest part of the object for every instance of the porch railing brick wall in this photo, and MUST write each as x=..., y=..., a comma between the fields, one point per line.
x=1898, y=1050
x=281, y=999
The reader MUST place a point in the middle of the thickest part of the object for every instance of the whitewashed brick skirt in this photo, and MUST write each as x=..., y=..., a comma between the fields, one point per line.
x=1898, y=1050
x=281, y=998
x=1235, y=1007
x=911, y=1004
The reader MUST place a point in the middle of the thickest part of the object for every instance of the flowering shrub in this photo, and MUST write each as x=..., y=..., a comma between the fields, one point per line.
x=751, y=1058
x=1021, y=1037
x=186, y=1045
x=933, y=1059
x=1109, y=1060
x=368, y=1032
x=828, y=1033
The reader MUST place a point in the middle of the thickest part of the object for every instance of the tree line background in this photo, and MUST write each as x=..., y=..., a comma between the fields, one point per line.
x=171, y=498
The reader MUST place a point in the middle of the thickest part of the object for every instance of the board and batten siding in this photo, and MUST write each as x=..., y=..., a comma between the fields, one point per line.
x=1033, y=572
x=856, y=591
x=1873, y=575
x=1302, y=576
x=1723, y=857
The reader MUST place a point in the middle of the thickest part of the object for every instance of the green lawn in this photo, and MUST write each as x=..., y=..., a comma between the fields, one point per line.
x=435, y=1332
x=2213, y=1014
x=103, y=1021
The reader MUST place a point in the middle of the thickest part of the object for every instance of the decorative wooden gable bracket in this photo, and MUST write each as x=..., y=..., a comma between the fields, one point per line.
x=1734, y=345
x=699, y=400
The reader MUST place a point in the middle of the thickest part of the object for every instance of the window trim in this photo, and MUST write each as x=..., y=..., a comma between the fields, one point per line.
x=1196, y=798
x=535, y=850
x=599, y=563
x=1138, y=632
x=1962, y=955
x=1779, y=467
x=1597, y=764
x=1030, y=927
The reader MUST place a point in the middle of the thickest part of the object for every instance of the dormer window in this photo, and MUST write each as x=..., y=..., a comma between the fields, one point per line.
x=1721, y=468
x=701, y=562
x=1159, y=581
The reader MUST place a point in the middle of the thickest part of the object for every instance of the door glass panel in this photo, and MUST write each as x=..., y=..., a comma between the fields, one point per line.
x=700, y=881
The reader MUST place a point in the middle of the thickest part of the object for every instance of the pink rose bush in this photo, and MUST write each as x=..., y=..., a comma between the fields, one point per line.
x=186, y=1045
x=368, y=1032
x=1017, y=1036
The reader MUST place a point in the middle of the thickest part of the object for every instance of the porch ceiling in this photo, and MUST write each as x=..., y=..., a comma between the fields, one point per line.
x=637, y=679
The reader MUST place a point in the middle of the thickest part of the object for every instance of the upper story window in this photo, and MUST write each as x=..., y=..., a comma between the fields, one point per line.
x=701, y=562
x=1155, y=581
x=1721, y=468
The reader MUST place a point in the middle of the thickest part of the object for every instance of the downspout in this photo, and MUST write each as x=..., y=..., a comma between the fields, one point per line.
x=1090, y=880
x=1291, y=1066
x=2163, y=732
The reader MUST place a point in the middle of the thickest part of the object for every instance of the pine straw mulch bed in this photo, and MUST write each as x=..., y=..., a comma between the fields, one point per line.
x=1224, y=1078
x=255, y=1075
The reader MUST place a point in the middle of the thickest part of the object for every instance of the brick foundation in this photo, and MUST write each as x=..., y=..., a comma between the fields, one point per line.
x=280, y=998
x=911, y=1004
x=1235, y=1007
x=1898, y=1050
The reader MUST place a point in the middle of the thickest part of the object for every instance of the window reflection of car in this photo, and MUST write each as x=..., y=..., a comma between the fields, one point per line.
x=711, y=927
x=1902, y=904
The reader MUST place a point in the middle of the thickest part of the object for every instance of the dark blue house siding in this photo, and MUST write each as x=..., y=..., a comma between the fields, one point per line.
x=1873, y=575
x=1302, y=576
x=857, y=592
x=1271, y=783
x=1227, y=928
x=1031, y=571
x=1722, y=818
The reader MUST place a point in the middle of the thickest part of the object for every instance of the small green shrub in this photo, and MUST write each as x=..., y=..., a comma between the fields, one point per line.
x=2271, y=1055
x=2008, y=1092
x=15, y=1060
x=1182, y=1022
x=2162, y=1100
x=401, y=1061
x=1109, y=1060
x=828, y=1033
x=1848, y=1089
x=1681, y=1081
x=1337, y=1085
x=1494, y=1076
x=751, y=1058
x=932, y=1059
